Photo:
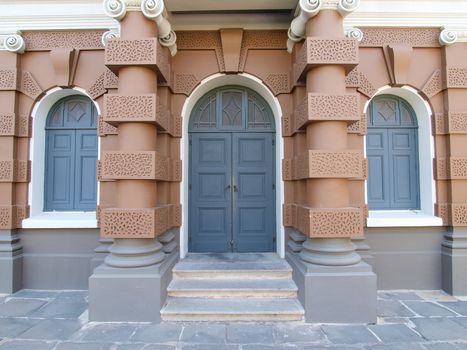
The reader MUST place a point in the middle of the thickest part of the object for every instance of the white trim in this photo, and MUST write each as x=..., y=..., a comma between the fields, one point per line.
x=426, y=151
x=89, y=14
x=38, y=218
x=208, y=84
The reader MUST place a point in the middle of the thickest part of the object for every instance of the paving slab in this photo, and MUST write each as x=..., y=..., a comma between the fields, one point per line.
x=395, y=347
x=130, y=346
x=204, y=333
x=27, y=345
x=298, y=333
x=460, y=320
x=428, y=308
x=38, y=294
x=62, y=308
x=106, y=332
x=460, y=307
x=393, y=333
x=209, y=347
x=250, y=334
x=435, y=295
x=52, y=329
x=349, y=334
x=439, y=329
x=392, y=308
x=158, y=333
x=269, y=347
x=441, y=346
x=333, y=347
x=83, y=346
x=13, y=327
x=461, y=346
x=398, y=295
x=73, y=294
x=20, y=307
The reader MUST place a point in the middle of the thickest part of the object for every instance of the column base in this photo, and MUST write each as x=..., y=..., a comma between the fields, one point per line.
x=335, y=294
x=11, y=262
x=454, y=262
x=130, y=294
x=101, y=252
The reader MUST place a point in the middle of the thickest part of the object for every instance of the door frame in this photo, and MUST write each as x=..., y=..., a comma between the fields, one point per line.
x=255, y=84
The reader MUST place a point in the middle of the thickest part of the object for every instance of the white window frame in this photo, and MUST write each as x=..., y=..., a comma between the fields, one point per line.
x=39, y=218
x=426, y=153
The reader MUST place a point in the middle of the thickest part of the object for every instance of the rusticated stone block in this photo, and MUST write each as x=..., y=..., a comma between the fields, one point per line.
x=330, y=222
x=135, y=108
x=138, y=52
x=456, y=77
x=318, y=51
x=14, y=170
x=105, y=128
x=458, y=167
x=319, y=107
x=441, y=169
x=440, y=124
x=358, y=127
x=459, y=214
x=15, y=125
x=329, y=164
x=288, y=215
x=352, y=80
x=147, y=165
x=287, y=169
x=175, y=215
x=457, y=122
x=11, y=216
x=434, y=84
x=417, y=37
x=110, y=80
x=97, y=88
x=442, y=210
x=8, y=79
x=29, y=86
x=134, y=223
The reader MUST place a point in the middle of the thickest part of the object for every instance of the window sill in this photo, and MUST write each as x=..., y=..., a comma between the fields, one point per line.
x=61, y=220
x=401, y=218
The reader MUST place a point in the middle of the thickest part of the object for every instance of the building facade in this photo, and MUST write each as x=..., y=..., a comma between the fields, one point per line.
x=330, y=134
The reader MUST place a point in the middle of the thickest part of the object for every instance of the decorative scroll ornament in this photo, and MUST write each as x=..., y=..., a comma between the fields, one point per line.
x=153, y=10
x=111, y=34
x=308, y=9
x=115, y=9
x=345, y=7
x=354, y=33
x=15, y=43
x=447, y=37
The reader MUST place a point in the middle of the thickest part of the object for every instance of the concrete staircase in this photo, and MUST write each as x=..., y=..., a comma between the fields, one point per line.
x=232, y=287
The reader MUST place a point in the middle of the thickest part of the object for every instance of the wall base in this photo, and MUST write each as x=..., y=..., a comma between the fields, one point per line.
x=11, y=262
x=335, y=294
x=454, y=262
x=130, y=294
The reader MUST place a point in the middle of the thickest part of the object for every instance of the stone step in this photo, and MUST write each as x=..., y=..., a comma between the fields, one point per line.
x=241, y=309
x=232, y=266
x=232, y=288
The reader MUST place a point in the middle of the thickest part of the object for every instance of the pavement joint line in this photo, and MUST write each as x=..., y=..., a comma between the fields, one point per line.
x=375, y=335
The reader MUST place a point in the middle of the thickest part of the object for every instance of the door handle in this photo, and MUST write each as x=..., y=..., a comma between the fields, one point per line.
x=235, y=188
x=227, y=188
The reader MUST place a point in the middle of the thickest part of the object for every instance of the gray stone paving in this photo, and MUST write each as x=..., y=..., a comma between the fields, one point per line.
x=57, y=320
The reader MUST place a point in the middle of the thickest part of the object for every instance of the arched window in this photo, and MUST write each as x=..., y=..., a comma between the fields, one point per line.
x=70, y=156
x=392, y=152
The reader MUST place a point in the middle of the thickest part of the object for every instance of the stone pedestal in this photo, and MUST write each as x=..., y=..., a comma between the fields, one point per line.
x=130, y=294
x=101, y=252
x=364, y=250
x=11, y=262
x=454, y=261
x=335, y=294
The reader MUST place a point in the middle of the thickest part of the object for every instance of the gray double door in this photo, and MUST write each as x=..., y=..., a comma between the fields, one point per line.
x=232, y=192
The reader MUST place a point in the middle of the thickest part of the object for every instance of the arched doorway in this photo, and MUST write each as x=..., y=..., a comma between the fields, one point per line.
x=232, y=189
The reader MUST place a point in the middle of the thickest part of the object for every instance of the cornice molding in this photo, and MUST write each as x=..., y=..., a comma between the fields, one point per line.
x=25, y=15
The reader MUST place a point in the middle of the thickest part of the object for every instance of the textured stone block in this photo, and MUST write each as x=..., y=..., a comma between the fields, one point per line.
x=8, y=79
x=14, y=170
x=15, y=125
x=138, y=52
x=457, y=122
x=456, y=77
x=134, y=223
x=458, y=167
x=325, y=164
x=149, y=165
x=320, y=107
x=11, y=216
x=459, y=214
x=318, y=51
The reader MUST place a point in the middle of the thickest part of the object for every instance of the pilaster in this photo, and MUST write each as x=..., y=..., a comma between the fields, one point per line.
x=321, y=168
x=452, y=170
x=131, y=283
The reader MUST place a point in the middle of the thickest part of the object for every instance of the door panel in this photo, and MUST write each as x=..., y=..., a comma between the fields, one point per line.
x=232, y=199
x=254, y=200
x=210, y=194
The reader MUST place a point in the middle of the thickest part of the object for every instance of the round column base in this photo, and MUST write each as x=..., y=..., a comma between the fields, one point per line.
x=329, y=252
x=134, y=253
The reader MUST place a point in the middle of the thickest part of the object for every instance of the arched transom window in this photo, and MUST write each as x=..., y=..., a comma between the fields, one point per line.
x=70, y=157
x=392, y=152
